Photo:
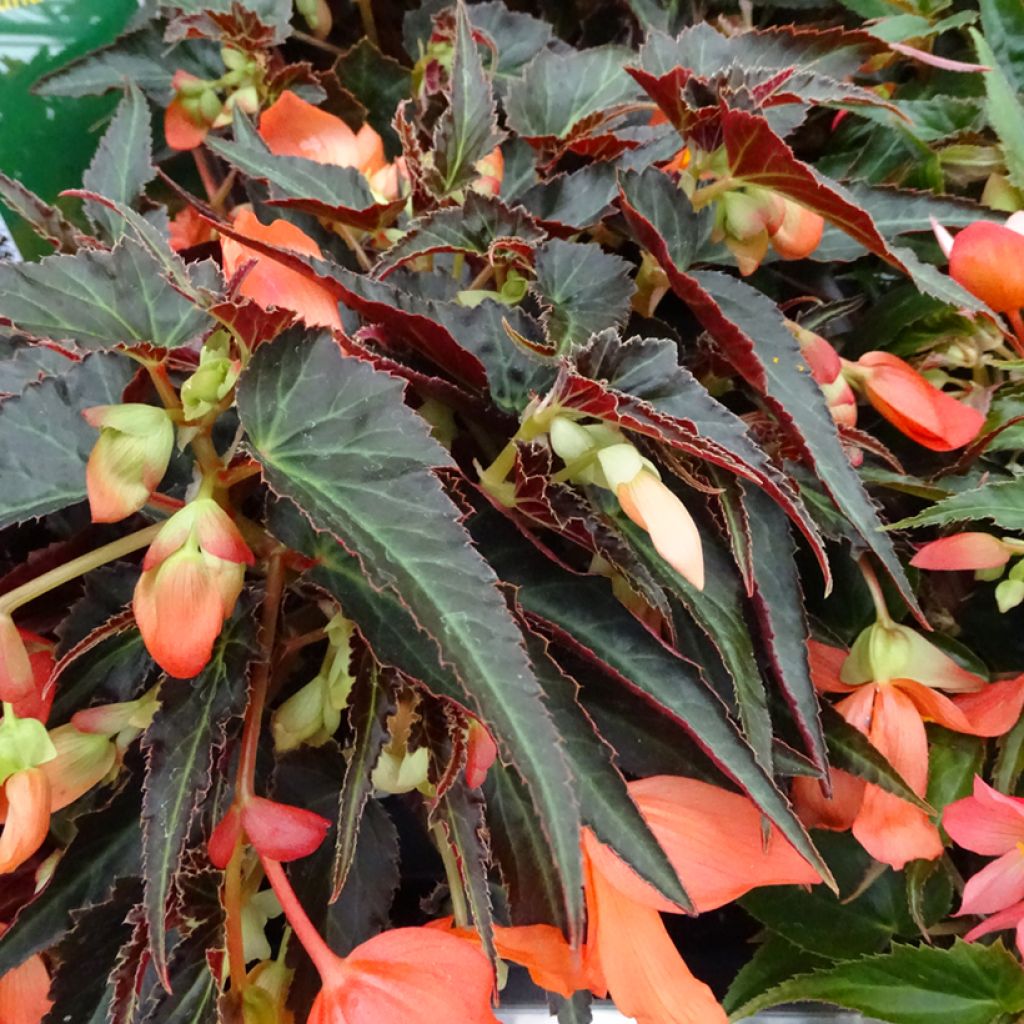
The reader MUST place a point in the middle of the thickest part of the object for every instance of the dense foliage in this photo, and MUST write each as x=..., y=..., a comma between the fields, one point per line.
x=478, y=480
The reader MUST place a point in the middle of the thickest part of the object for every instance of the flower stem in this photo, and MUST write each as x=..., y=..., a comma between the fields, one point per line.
x=319, y=952
x=233, y=919
x=875, y=588
x=260, y=678
x=460, y=910
x=369, y=25
x=77, y=567
x=353, y=243
x=704, y=195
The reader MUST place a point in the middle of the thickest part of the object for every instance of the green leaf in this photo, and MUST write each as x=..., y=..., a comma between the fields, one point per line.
x=468, y=128
x=778, y=601
x=584, y=609
x=334, y=436
x=324, y=190
x=953, y=761
x=122, y=166
x=850, y=750
x=1004, y=109
x=605, y=803
x=369, y=707
x=583, y=290
x=1001, y=501
x=180, y=744
x=481, y=226
x=98, y=300
x=558, y=92
x=45, y=219
x=45, y=443
x=969, y=983
x=517, y=38
x=380, y=83
x=573, y=201
x=105, y=848
x=773, y=962
x=1002, y=22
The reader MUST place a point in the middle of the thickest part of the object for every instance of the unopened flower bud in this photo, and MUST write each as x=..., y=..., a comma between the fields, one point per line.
x=210, y=106
x=128, y=460
x=16, y=677
x=212, y=381
x=246, y=99
x=1009, y=594
x=234, y=60
x=401, y=772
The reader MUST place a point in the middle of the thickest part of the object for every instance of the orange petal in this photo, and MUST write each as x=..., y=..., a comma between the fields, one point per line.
x=836, y=813
x=270, y=283
x=826, y=663
x=408, y=976
x=179, y=613
x=82, y=761
x=799, y=234
x=293, y=127
x=988, y=260
x=27, y=794
x=714, y=839
x=987, y=822
x=969, y=550
x=188, y=229
x=180, y=130
x=890, y=829
x=646, y=977
x=24, y=993
x=994, y=710
x=654, y=508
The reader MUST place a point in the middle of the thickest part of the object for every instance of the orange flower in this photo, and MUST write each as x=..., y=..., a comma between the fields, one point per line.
x=924, y=413
x=189, y=115
x=293, y=127
x=891, y=712
x=799, y=233
x=191, y=578
x=271, y=284
x=17, y=678
x=970, y=550
x=188, y=229
x=988, y=260
x=25, y=811
x=24, y=991
x=827, y=370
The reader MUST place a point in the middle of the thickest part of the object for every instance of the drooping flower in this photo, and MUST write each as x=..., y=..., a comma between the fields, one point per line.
x=278, y=831
x=129, y=459
x=25, y=991
x=481, y=753
x=799, y=233
x=188, y=229
x=826, y=368
x=17, y=679
x=969, y=550
x=890, y=681
x=293, y=127
x=268, y=282
x=910, y=403
x=988, y=260
x=992, y=824
x=191, y=578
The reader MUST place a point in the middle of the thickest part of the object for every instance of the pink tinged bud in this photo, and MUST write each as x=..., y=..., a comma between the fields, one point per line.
x=988, y=260
x=83, y=760
x=964, y=551
x=480, y=755
x=491, y=169
x=128, y=460
x=281, y=832
x=25, y=804
x=17, y=681
x=224, y=838
x=654, y=508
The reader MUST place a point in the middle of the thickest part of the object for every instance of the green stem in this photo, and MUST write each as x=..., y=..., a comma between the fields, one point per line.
x=77, y=567
x=704, y=195
x=460, y=909
x=875, y=589
x=369, y=25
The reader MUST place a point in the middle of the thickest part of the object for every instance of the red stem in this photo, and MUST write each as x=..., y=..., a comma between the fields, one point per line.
x=324, y=959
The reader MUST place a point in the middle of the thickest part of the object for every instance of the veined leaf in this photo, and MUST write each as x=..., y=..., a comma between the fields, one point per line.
x=468, y=129
x=1001, y=501
x=583, y=289
x=1004, y=110
x=180, y=744
x=98, y=300
x=45, y=443
x=969, y=983
x=122, y=166
x=1002, y=22
x=44, y=218
x=570, y=202
x=334, y=436
x=380, y=83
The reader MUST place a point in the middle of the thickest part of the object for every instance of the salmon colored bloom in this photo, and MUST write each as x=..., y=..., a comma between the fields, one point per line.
x=278, y=831
x=270, y=283
x=988, y=260
x=188, y=229
x=992, y=824
x=188, y=116
x=799, y=233
x=491, y=170
x=293, y=127
x=129, y=459
x=36, y=703
x=969, y=550
x=826, y=368
x=925, y=414
x=17, y=679
x=191, y=578
x=25, y=991
x=481, y=753
x=402, y=976
x=891, y=711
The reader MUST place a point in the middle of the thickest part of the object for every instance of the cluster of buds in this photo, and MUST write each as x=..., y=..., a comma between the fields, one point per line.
x=987, y=556
x=128, y=460
x=598, y=454
x=213, y=381
x=749, y=219
x=200, y=104
x=191, y=578
x=312, y=714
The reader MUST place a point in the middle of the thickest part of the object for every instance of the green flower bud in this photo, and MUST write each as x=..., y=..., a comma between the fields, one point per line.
x=1009, y=594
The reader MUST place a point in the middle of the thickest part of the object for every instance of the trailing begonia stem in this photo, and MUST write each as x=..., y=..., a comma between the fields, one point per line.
x=875, y=589
x=77, y=567
x=245, y=788
x=233, y=918
x=312, y=941
x=460, y=911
